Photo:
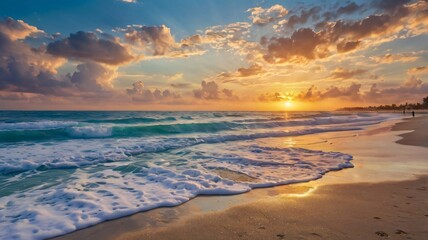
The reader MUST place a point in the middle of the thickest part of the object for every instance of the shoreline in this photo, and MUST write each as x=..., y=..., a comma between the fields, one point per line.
x=165, y=223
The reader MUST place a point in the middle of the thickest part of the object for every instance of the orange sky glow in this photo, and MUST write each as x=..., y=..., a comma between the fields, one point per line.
x=264, y=56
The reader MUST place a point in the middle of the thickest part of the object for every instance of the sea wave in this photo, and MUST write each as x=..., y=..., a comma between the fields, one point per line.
x=73, y=130
x=39, y=125
x=133, y=120
x=18, y=158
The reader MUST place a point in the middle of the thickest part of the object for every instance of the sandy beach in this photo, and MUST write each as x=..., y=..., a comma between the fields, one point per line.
x=383, y=197
x=394, y=210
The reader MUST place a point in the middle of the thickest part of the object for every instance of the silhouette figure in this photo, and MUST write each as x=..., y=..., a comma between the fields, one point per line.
x=404, y=111
x=413, y=113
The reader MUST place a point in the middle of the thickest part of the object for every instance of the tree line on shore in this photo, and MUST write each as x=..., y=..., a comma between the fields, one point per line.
x=406, y=106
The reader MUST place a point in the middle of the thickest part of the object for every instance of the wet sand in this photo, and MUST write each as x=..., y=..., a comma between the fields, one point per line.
x=419, y=134
x=383, y=197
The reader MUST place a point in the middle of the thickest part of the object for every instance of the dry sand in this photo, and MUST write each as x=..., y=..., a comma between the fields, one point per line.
x=321, y=209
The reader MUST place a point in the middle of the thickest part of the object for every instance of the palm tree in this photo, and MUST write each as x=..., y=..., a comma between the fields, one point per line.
x=425, y=101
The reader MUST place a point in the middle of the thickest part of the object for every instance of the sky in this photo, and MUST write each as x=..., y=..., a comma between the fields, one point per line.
x=211, y=54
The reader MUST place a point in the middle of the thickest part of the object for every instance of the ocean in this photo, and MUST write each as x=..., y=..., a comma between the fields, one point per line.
x=65, y=170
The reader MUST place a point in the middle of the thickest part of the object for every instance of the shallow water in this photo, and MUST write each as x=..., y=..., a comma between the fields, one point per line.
x=62, y=171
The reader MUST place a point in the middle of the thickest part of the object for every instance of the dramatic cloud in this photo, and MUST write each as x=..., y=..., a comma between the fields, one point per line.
x=370, y=26
x=158, y=36
x=263, y=16
x=17, y=29
x=211, y=91
x=303, y=44
x=140, y=93
x=158, y=41
x=92, y=77
x=341, y=73
x=23, y=69
x=28, y=71
x=87, y=46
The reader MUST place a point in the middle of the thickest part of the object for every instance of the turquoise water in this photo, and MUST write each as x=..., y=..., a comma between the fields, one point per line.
x=63, y=170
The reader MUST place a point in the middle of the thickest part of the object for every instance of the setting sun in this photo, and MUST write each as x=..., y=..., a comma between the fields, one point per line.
x=288, y=103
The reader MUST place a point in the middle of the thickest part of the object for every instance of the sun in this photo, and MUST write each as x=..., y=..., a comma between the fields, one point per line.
x=288, y=103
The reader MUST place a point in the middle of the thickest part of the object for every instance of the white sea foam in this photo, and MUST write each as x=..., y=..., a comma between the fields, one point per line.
x=92, y=197
x=94, y=131
x=40, y=125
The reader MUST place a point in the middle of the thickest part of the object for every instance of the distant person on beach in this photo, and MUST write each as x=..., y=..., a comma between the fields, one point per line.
x=404, y=111
x=413, y=113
